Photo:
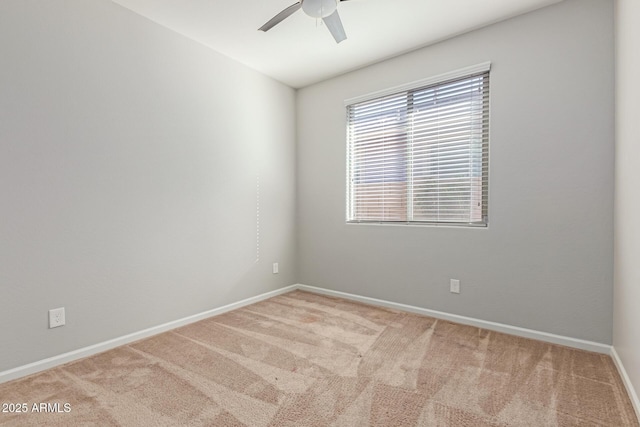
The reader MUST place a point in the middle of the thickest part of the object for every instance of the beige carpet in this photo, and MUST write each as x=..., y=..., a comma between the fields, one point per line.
x=307, y=360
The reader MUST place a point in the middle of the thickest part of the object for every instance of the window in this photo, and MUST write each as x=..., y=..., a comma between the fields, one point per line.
x=420, y=156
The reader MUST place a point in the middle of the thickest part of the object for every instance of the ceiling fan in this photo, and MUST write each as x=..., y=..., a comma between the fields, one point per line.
x=319, y=9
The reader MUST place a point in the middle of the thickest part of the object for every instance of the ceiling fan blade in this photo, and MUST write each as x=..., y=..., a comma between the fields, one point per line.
x=334, y=24
x=280, y=17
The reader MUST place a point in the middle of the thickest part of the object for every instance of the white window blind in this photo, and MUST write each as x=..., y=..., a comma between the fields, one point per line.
x=421, y=155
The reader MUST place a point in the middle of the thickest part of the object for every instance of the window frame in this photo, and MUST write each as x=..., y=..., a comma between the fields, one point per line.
x=409, y=91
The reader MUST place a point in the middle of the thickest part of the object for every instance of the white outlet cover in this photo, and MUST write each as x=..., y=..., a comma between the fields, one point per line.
x=56, y=317
x=275, y=268
x=455, y=286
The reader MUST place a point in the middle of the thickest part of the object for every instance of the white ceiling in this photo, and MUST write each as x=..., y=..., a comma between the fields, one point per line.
x=298, y=52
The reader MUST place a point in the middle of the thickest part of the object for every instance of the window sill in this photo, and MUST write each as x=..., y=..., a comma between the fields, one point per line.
x=418, y=224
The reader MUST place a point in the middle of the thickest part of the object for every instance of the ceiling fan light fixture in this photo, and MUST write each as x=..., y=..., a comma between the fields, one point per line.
x=319, y=8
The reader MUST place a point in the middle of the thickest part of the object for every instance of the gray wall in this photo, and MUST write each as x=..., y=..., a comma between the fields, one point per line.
x=626, y=332
x=545, y=262
x=128, y=165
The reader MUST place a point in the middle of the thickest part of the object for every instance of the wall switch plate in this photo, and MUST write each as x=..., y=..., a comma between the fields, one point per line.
x=56, y=317
x=275, y=268
x=454, y=286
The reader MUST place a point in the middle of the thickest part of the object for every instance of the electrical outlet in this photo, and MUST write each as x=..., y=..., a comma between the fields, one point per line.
x=56, y=317
x=275, y=268
x=454, y=286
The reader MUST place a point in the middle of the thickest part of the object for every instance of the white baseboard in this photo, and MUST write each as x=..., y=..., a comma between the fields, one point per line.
x=493, y=326
x=627, y=381
x=61, y=359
